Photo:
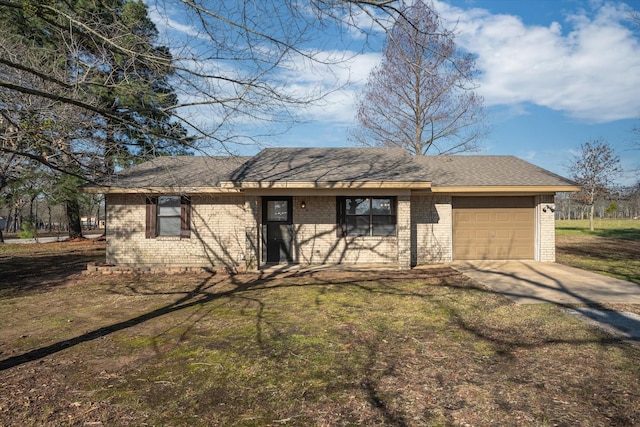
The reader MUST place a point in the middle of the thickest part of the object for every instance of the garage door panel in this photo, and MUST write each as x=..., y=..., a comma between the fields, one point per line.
x=478, y=249
x=503, y=217
x=505, y=231
x=500, y=253
x=521, y=252
x=481, y=217
x=463, y=216
x=481, y=234
x=463, y=235
x=503, y=234
x=524, y=235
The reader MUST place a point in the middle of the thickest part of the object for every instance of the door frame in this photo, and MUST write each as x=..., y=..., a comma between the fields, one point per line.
x=265, y=229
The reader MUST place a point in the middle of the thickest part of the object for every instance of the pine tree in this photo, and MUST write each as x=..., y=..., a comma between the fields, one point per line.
x=87, y=106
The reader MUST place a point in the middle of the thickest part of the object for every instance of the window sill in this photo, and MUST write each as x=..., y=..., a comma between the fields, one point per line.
x=370, y=237
x=168, y=238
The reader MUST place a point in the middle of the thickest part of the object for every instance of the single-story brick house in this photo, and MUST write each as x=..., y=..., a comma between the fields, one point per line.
x=329, y=205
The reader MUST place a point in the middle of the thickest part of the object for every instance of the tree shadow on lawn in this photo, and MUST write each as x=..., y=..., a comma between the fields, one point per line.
x=441, y=287
x=619, y=233
x=215, y=286
x=27, y=272
x=614, y=256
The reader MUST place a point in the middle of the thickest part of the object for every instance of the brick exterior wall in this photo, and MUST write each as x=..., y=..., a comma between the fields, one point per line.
x=404, y=232
x=316, y=241
x=252, y=236
x=217, y=234
x=226, y=232
x=546, y=229
x=431, y=232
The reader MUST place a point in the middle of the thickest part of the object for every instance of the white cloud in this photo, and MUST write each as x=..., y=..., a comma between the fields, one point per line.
x=340, y=75
x=166, y=24
x=333, y=77
x=588, y=68
x=530, y=155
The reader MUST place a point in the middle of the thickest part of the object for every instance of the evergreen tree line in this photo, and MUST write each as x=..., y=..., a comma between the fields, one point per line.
x=73, y=108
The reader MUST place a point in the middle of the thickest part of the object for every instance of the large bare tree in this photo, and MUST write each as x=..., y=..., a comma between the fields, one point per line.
x=595, y=168
x=61, y=137
x=83, y=81
x=229, y=66
x=421, y=96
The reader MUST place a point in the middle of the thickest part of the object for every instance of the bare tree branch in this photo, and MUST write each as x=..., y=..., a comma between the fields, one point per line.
x=595, y=168
x=421, y=96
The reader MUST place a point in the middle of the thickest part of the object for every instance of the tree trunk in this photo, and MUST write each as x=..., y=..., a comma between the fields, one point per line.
x=31, y=215
x=591, y=213
x=73, y=219
x=15, y=219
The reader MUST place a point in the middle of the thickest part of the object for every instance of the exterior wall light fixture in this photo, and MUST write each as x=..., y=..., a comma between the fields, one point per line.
x=548, y=207
x=303, y=205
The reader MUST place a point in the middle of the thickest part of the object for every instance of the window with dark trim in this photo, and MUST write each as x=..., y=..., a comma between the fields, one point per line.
x=366, y=216
x=168, y=216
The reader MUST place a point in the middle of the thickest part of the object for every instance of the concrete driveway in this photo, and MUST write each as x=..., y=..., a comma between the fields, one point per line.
x=535, y=282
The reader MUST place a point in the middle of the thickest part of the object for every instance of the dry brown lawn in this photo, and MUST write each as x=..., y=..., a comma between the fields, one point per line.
x=427, y=347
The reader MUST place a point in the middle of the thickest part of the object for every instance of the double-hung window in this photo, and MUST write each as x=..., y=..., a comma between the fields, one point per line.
x=168, y=216
x=366, y=216
x=168, y=222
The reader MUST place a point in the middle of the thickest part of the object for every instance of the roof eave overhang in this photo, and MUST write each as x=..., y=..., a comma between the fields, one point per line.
x=157, y=190
x=532, y=189
x=328, y=185
x=230, y=188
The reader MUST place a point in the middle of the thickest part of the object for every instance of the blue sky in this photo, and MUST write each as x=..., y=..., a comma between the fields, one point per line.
x=568, y=71
x=553, y=73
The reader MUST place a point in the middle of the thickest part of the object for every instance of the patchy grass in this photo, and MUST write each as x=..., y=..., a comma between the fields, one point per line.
x=613, y=249
x=37, y=266
x=426, y=347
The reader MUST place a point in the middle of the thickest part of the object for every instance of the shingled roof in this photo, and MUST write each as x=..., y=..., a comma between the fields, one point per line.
x=488, y=171
x=334, y=168
x=197, y=173
x=331, y=167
